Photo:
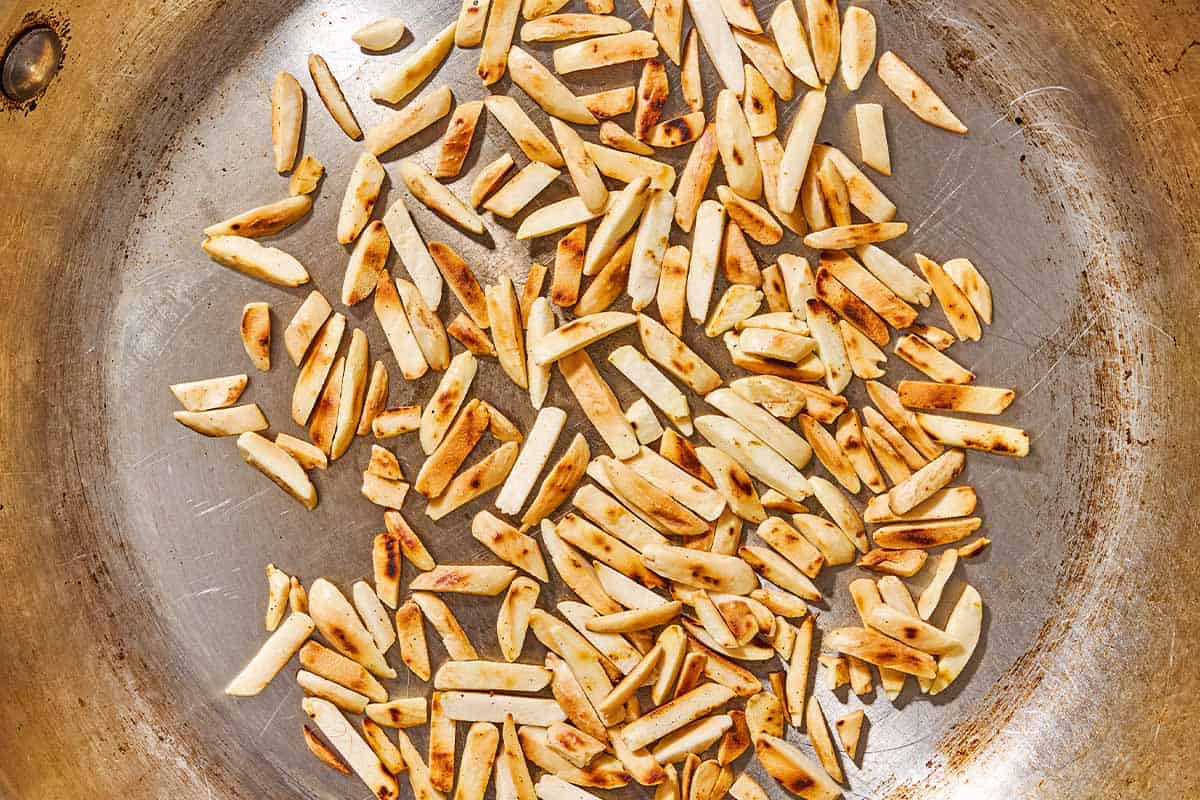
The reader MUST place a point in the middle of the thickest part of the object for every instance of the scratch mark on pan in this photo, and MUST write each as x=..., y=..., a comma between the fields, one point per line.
x=1061, y=356
x=216, y=507
x=274, y=714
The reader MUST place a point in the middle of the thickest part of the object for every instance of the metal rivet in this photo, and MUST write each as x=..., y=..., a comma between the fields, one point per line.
x=30, y=62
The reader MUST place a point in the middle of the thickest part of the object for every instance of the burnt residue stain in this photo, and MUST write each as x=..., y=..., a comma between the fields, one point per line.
x=55, y=21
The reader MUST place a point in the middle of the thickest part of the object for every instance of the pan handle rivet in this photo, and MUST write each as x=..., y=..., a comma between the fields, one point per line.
x=32, y=59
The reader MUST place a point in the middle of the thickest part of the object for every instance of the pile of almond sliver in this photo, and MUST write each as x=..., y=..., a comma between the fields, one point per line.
x=671, y=600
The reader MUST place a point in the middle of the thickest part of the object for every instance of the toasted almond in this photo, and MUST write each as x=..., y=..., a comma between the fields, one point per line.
x=792, y=42
x=768, y=61
x=770, y=157
x=620, y=218
x=736, y=147
x=454, y=448
x=667, y=18
x=533, y=143
x=604, y=772
x=958, y=501
x=409, y=121
x=675, y=714
x=489, y=178
x=504, y=317
x=709, y=19
x=701, y=569
x=396, y=421
x=351, y=395
x=265, y=220
x=576, y=573
x=672, y=288
x=564, y=27
x=251, y=258
x=649, y=248
x=916, y=94
x=615, y=520
x=894, y=275
x=758, y=104
x=964, y=625
x=693, y=183
x=425, y=324
x=615, y=136
x=873, y=292
x=734, y=484
x=287, y=118
x=954, y=303
x=610, y=103
x=752, y=218
x=438, y=198
x=849, y=436
x=967, y=278
x=872, y=135
x=521, y=190
x=975, y=435
x=705, y=253
x=349, y=744
x=652, y=93
x=894, y=562
x=669, y=352
x=798, y=149
x=546, y=90
x=858, y=47
x=599, y=403
x=888, y=402
x=274, y=654
x=605, y=51
x=331, y=95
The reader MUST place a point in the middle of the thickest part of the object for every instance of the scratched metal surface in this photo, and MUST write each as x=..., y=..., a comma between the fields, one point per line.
x=133, y=548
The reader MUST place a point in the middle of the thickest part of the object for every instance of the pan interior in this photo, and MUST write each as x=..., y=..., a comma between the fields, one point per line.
x=199, y=525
